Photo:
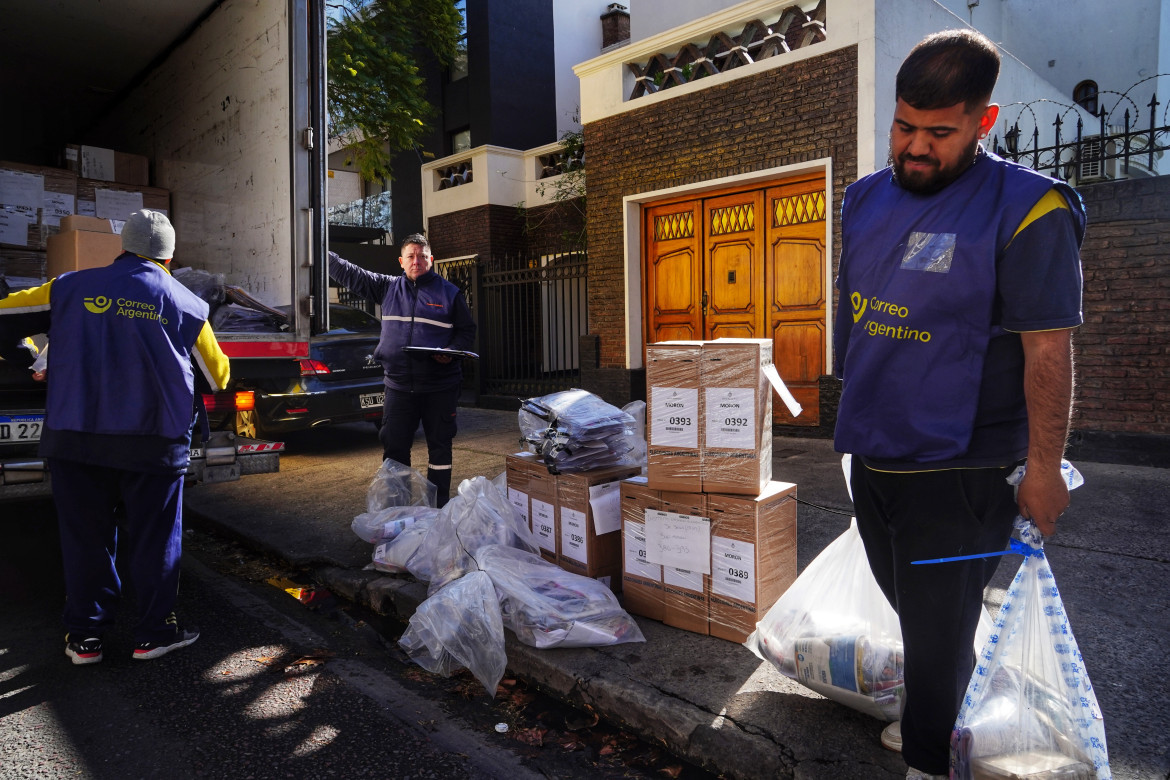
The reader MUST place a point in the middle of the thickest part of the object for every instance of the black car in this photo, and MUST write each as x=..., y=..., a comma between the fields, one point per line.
x=340, y=381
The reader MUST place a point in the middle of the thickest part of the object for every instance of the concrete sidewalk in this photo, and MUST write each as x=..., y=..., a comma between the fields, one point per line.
x=711, y=701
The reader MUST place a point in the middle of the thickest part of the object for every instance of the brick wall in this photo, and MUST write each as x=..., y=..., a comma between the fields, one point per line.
x=1123, y=348
x=800, y=112
x=496, y=230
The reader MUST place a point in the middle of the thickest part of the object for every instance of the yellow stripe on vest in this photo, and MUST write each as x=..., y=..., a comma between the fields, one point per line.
x=1051, y=201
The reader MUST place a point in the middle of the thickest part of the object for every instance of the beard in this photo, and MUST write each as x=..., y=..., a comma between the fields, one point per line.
x=930, y=182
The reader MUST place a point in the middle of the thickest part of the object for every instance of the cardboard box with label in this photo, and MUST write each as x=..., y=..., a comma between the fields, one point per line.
x=589, y=519
x=112, y=200
x=678, y=536
x=736, y=441
x=96, y=162
x=92, y=247
x=753, y=557
x=542, y=512
x=641, y=579
x=674, y=415
x=519, y=468
x=33, y=199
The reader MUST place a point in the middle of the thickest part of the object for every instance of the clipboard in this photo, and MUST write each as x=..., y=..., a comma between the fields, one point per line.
x=455, y=353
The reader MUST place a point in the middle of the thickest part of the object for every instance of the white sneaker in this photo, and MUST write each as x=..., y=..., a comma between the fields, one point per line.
x=918, y=774
x=892, y=737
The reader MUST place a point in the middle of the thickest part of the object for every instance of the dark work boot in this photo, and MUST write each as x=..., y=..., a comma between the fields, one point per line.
x=441, y=479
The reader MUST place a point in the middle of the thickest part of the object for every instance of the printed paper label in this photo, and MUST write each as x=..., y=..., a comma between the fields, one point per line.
x=683, y=578
x=544, y=525
x=20, y=188
x=116, y=204
x=13, y=228
x=573, y=535
x=634, y=538
x=519, y=499
x=674, y=418
x=606, y=502
x=733, y=569
x=731, y=418
x=57, y=205
x=679, y=541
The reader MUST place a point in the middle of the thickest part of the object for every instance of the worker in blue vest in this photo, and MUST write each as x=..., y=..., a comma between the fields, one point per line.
x=419, y=309
x=128, y=340
x=960, y=286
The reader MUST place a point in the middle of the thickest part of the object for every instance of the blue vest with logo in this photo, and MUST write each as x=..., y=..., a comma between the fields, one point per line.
x=917, y=295
x=121, y=381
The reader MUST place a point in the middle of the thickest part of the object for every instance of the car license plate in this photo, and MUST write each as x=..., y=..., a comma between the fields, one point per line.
x=370, y=400
x=20, y=428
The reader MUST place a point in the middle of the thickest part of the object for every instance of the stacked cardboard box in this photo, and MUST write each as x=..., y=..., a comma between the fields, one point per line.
x=575, y=517
x=84, y=242
x=33, y=199
x=95, y=162
x=114, y=200
x=709, y=538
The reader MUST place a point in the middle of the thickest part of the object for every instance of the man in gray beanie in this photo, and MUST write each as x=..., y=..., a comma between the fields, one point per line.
x=118, y=418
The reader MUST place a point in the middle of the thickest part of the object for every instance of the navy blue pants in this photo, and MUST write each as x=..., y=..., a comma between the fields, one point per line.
x=402, y=413
x=933, y=514
x=147, y=542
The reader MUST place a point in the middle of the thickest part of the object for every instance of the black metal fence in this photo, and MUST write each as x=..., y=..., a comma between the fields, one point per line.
x=531, y=310
x=1096, y=153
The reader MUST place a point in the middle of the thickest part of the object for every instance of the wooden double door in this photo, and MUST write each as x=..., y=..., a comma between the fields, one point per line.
x=744, y=264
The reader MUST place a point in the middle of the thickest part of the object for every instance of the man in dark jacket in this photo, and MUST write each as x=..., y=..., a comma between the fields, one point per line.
x=419, y=309
x=127, y=342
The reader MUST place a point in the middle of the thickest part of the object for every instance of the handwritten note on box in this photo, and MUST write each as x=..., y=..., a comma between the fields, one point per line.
x=678, y=541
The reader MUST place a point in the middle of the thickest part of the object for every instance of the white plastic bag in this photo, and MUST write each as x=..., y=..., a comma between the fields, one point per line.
x=460, y=627
x=834, y=632
x=1030, y=710
x=397, y=485
x=546, y=606
x=385, y=524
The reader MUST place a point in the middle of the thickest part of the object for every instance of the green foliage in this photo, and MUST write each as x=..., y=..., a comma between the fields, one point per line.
x=376, y=89
x=568, y=188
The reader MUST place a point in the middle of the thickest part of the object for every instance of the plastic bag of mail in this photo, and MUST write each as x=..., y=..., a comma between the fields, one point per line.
x=400, y=555
x=460, y=627
x=395, y=484
x=1030, y=710
x=546, y=606
x=478, y=514
x=834, y=632
x=386, y=524
x=575, y=430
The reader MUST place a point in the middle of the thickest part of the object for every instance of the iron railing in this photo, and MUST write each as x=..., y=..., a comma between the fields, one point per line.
x=1111, y=152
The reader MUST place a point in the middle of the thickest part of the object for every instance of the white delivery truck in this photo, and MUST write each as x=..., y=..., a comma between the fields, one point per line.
x=226, y=100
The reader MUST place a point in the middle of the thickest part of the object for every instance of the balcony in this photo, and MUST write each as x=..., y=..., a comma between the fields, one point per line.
x=492, y=175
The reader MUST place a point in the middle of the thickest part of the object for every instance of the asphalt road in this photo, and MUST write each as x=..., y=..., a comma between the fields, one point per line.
x=272, y=689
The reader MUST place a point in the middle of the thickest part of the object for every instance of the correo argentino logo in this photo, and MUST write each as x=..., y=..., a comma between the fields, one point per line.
x=859, y=306
x=97, y=305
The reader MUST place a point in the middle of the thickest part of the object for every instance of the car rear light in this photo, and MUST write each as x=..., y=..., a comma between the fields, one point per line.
x=227, y=401
x=313, y=367
x=297, y=410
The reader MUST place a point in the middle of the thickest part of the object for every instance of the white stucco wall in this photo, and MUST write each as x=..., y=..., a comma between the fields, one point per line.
x=900, y=25
x=651, y=17
x=577, y=26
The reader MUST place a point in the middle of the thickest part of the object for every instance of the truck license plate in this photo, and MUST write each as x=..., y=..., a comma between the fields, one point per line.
x=20, y=428
x=370, y=400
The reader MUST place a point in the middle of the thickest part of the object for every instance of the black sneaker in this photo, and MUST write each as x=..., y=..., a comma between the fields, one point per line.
x=84, y=651
x=144, y=651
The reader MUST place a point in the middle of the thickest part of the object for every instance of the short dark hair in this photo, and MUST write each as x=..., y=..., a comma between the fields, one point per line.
x=949, y=67
x=415, y=238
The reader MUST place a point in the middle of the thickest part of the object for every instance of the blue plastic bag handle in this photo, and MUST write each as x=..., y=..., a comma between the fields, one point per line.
x=1015, y=547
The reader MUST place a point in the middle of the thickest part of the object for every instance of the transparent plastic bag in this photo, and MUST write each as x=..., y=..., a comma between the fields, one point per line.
x=575, y=430
x=546, y=606
x=1030, y=710
x=834, y=632
x=395, y=484
x=460, y=627
x=206, y=285
x=478, y=514
x=385, y=524
x=400, y=554
x=637, y=410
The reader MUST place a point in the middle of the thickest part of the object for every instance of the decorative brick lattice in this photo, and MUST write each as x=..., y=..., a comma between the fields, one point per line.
x=793, y=29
